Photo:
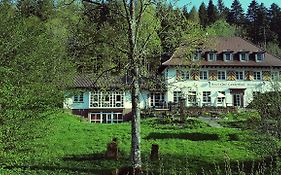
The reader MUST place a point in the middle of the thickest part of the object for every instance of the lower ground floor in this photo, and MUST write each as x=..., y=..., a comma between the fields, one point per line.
x=104, y=115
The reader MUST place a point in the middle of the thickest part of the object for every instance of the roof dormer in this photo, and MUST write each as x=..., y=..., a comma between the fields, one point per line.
x=197, y=55
x=212, y=55
x=243, y=55
x=259, y=56
x=228, y=55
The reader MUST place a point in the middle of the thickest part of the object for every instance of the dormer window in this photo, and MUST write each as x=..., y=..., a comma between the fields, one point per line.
x=227, y=56
x=212, y=56
x=197, y=55
x=259, y=56
x=244, y=56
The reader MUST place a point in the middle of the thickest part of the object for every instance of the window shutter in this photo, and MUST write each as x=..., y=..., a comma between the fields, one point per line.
x=212, y=75
x=231, y=75
x=266, y=75
x=195, y=75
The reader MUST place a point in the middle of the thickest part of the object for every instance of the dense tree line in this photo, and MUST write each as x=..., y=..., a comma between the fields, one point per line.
x=258, y=23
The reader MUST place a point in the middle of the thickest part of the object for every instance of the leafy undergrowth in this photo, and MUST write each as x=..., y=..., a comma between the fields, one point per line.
x=73, y=146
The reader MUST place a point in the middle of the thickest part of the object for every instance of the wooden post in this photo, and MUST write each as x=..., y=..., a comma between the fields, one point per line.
x=154, y=154
x=112, y=150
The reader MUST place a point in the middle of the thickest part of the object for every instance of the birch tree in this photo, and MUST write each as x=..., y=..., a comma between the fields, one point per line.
x=131, y=30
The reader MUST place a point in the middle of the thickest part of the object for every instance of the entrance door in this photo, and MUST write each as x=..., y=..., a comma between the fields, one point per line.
x=237, y=100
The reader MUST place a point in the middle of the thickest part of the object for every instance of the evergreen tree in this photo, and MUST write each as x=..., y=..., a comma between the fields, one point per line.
x=185, y=12
x=274, y=14
x=203, y=15
x=263, y=31
x=222, y=10
x=193, y=15
x=252, y=24
x=236, y=14
x=212, y=12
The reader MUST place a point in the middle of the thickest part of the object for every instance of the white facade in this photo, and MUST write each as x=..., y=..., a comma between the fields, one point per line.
x=220, y=92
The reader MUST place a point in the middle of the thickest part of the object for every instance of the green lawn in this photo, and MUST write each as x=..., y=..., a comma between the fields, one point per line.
x=73, y=146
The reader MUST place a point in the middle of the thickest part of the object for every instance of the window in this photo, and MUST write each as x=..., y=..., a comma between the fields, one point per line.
x=182, y=75
x=157, y=99
x=227, y=56
x=259, y=56
x=78, y=98
x=203, y=75
x=177, y=96
x=220, y=98
x=206, y=98
x=221, y=75
x=106, y=99
x=185, y=75
x=239, y=75
x=197, y=56
x=212, y=56
x=257, y=76
x=111, y=117
x=244, y=56
x=192, y=98
x=274, y=76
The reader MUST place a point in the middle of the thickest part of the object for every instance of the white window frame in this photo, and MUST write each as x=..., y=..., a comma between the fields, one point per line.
x=203, y=75
x=220, y=100
x=155, y=101
x=111, y=117
x=106, y=99
x=206, y=97
x=243, y=56
x=212, y=56
x=197, y=56
x=192, y=99
x=186, y=75
x=275, y=75
x=221, y=75
x=230, y=56
x=238, y=75
x=257, y=75
x=78, y=98
x=259, y=56
x=177, y=96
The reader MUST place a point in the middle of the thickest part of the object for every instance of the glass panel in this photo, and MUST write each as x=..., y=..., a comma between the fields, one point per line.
x=104, y=120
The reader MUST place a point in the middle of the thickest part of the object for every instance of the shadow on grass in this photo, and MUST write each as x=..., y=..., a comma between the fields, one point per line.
x=196, y=136
x=53, y=169
x=85, y=157
x=168, y=164
x=171, y=164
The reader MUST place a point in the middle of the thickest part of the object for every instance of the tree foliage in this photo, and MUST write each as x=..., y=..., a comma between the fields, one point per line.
x=34, y=68
x=236, y=14
x=221, y=28
x=203, y=15
x=212, y=12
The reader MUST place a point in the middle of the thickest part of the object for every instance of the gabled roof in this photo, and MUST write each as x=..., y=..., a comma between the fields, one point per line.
x=109, y=82
x=223, y=44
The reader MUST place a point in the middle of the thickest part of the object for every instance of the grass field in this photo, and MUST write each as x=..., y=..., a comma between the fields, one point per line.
x=73, y=146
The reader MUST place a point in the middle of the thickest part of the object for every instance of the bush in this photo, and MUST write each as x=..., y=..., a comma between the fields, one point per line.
x=253, y=116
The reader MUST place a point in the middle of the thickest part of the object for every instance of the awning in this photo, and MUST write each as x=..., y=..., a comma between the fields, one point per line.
x=220, y=95
x=191, y=93
x=217, y=95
